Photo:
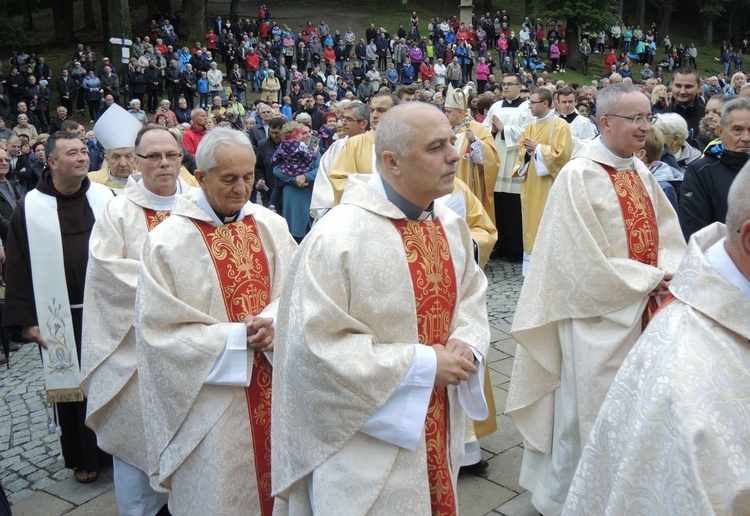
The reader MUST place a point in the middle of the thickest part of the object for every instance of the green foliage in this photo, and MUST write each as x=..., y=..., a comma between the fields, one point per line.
x=12, y=33
x=597, y=14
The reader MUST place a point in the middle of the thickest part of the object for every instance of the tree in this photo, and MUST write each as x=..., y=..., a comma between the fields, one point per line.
x=88, y=16
x=665, y=14
x=234, y=9
x=710, y=11
x=197, y=12
x=594, y=14
x=27, y=9
x=63, y=20
x=640, y=13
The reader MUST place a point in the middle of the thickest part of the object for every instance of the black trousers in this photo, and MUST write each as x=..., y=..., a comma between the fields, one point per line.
x=509, y=225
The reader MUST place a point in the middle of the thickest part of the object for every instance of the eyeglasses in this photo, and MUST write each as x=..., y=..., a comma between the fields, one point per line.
x=350, y=120
x=509, y=84
x=156, y=157
x=636, y=120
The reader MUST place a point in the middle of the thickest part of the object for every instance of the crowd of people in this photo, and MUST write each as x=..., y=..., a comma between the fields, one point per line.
x=401, y=162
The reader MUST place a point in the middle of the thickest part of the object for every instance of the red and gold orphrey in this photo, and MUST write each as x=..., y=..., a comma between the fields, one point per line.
x=641, y=227
x=435, y=292
x=154, y=217
x=245, y=280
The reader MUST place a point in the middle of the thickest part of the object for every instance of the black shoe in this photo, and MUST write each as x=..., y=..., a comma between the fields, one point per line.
x=476, y=468
x=14, y=346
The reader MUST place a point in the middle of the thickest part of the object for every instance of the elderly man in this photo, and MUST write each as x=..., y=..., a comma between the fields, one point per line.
x=507, y=120
x=264, y=178
x=261, y=131
x=400, y=383
x=116, y=131
x=354, y=120
x=203, y=327
x=606, y=246
x=673, y=433
x=197, y=130
x=108, y=364
x=546, y=147
x=703, y=196
x=479, y=161
x=47, y=253
x=56, y=123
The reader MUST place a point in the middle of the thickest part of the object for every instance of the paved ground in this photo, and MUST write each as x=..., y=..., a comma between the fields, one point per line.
x=37, y=484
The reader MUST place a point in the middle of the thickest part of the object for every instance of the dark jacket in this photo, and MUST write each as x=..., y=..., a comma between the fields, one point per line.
x=703, y=195
x=263, y=165
x=6, y=209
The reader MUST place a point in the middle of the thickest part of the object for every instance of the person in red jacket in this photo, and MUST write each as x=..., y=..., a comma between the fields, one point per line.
x=212, y=41
x=426, y=71
x=253, y=65
x=193, y=136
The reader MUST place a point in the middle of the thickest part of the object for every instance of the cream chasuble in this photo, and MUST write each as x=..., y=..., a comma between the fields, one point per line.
x=349, y=309
x=199, y=434
x=108, y=363
x=673, y=435
x=322, y=196
x=357, y=157
x=578, y=315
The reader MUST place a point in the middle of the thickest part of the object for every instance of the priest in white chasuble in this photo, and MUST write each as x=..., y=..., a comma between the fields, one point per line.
x=673, y=435
x=108, y=364
x=478, y=162
x=546, y=146
x=382, y=338
x=608, y=243
x=208, y=289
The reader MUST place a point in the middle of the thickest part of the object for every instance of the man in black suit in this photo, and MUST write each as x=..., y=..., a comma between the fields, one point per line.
x=66, y=87
x=264, y=178
x=56, y=123
x=260, y=132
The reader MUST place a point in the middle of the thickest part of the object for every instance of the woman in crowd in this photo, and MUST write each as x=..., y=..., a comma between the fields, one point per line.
x=297, y=184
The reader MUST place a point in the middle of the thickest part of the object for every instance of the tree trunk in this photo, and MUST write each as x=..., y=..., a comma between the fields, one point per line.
x=708, y=32
x=197, y=19
x=106, y=34
x=27, y=9
x=528, y=9
x=234, y=9
x=571, y=38
x=119, y=27
x=621, y=9
x=88, y=15
x=640, y=13
x=666, y=14
x=63, y=19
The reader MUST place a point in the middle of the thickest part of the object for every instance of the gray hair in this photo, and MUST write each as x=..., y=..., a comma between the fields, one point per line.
x=363, y=112
x=205, y=156
x=395, y=133
x=739, y=102
x=672, y=124
x=738, y=201
x=609, y=97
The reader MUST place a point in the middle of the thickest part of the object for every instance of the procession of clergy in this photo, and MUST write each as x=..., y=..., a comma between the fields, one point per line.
x=229, y=371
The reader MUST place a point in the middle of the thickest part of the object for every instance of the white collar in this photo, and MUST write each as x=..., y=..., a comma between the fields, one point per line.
x=719, y=258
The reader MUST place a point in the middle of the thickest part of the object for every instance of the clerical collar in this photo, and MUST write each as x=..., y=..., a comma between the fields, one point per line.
x=569, y=118
x=218, y=219
x=117, y=180
x=411, y=210
x=160, y=202
x=618, y=161
x=514, y=103
x=548, y=116
x=719, y=258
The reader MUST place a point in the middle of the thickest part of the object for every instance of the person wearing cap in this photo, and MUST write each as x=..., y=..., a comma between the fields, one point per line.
x=545, y=147
x=108, y=365
x=116, y=130
x=479, y=161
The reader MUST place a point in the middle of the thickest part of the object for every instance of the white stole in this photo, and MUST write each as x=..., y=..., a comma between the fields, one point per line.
x=62, y=373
